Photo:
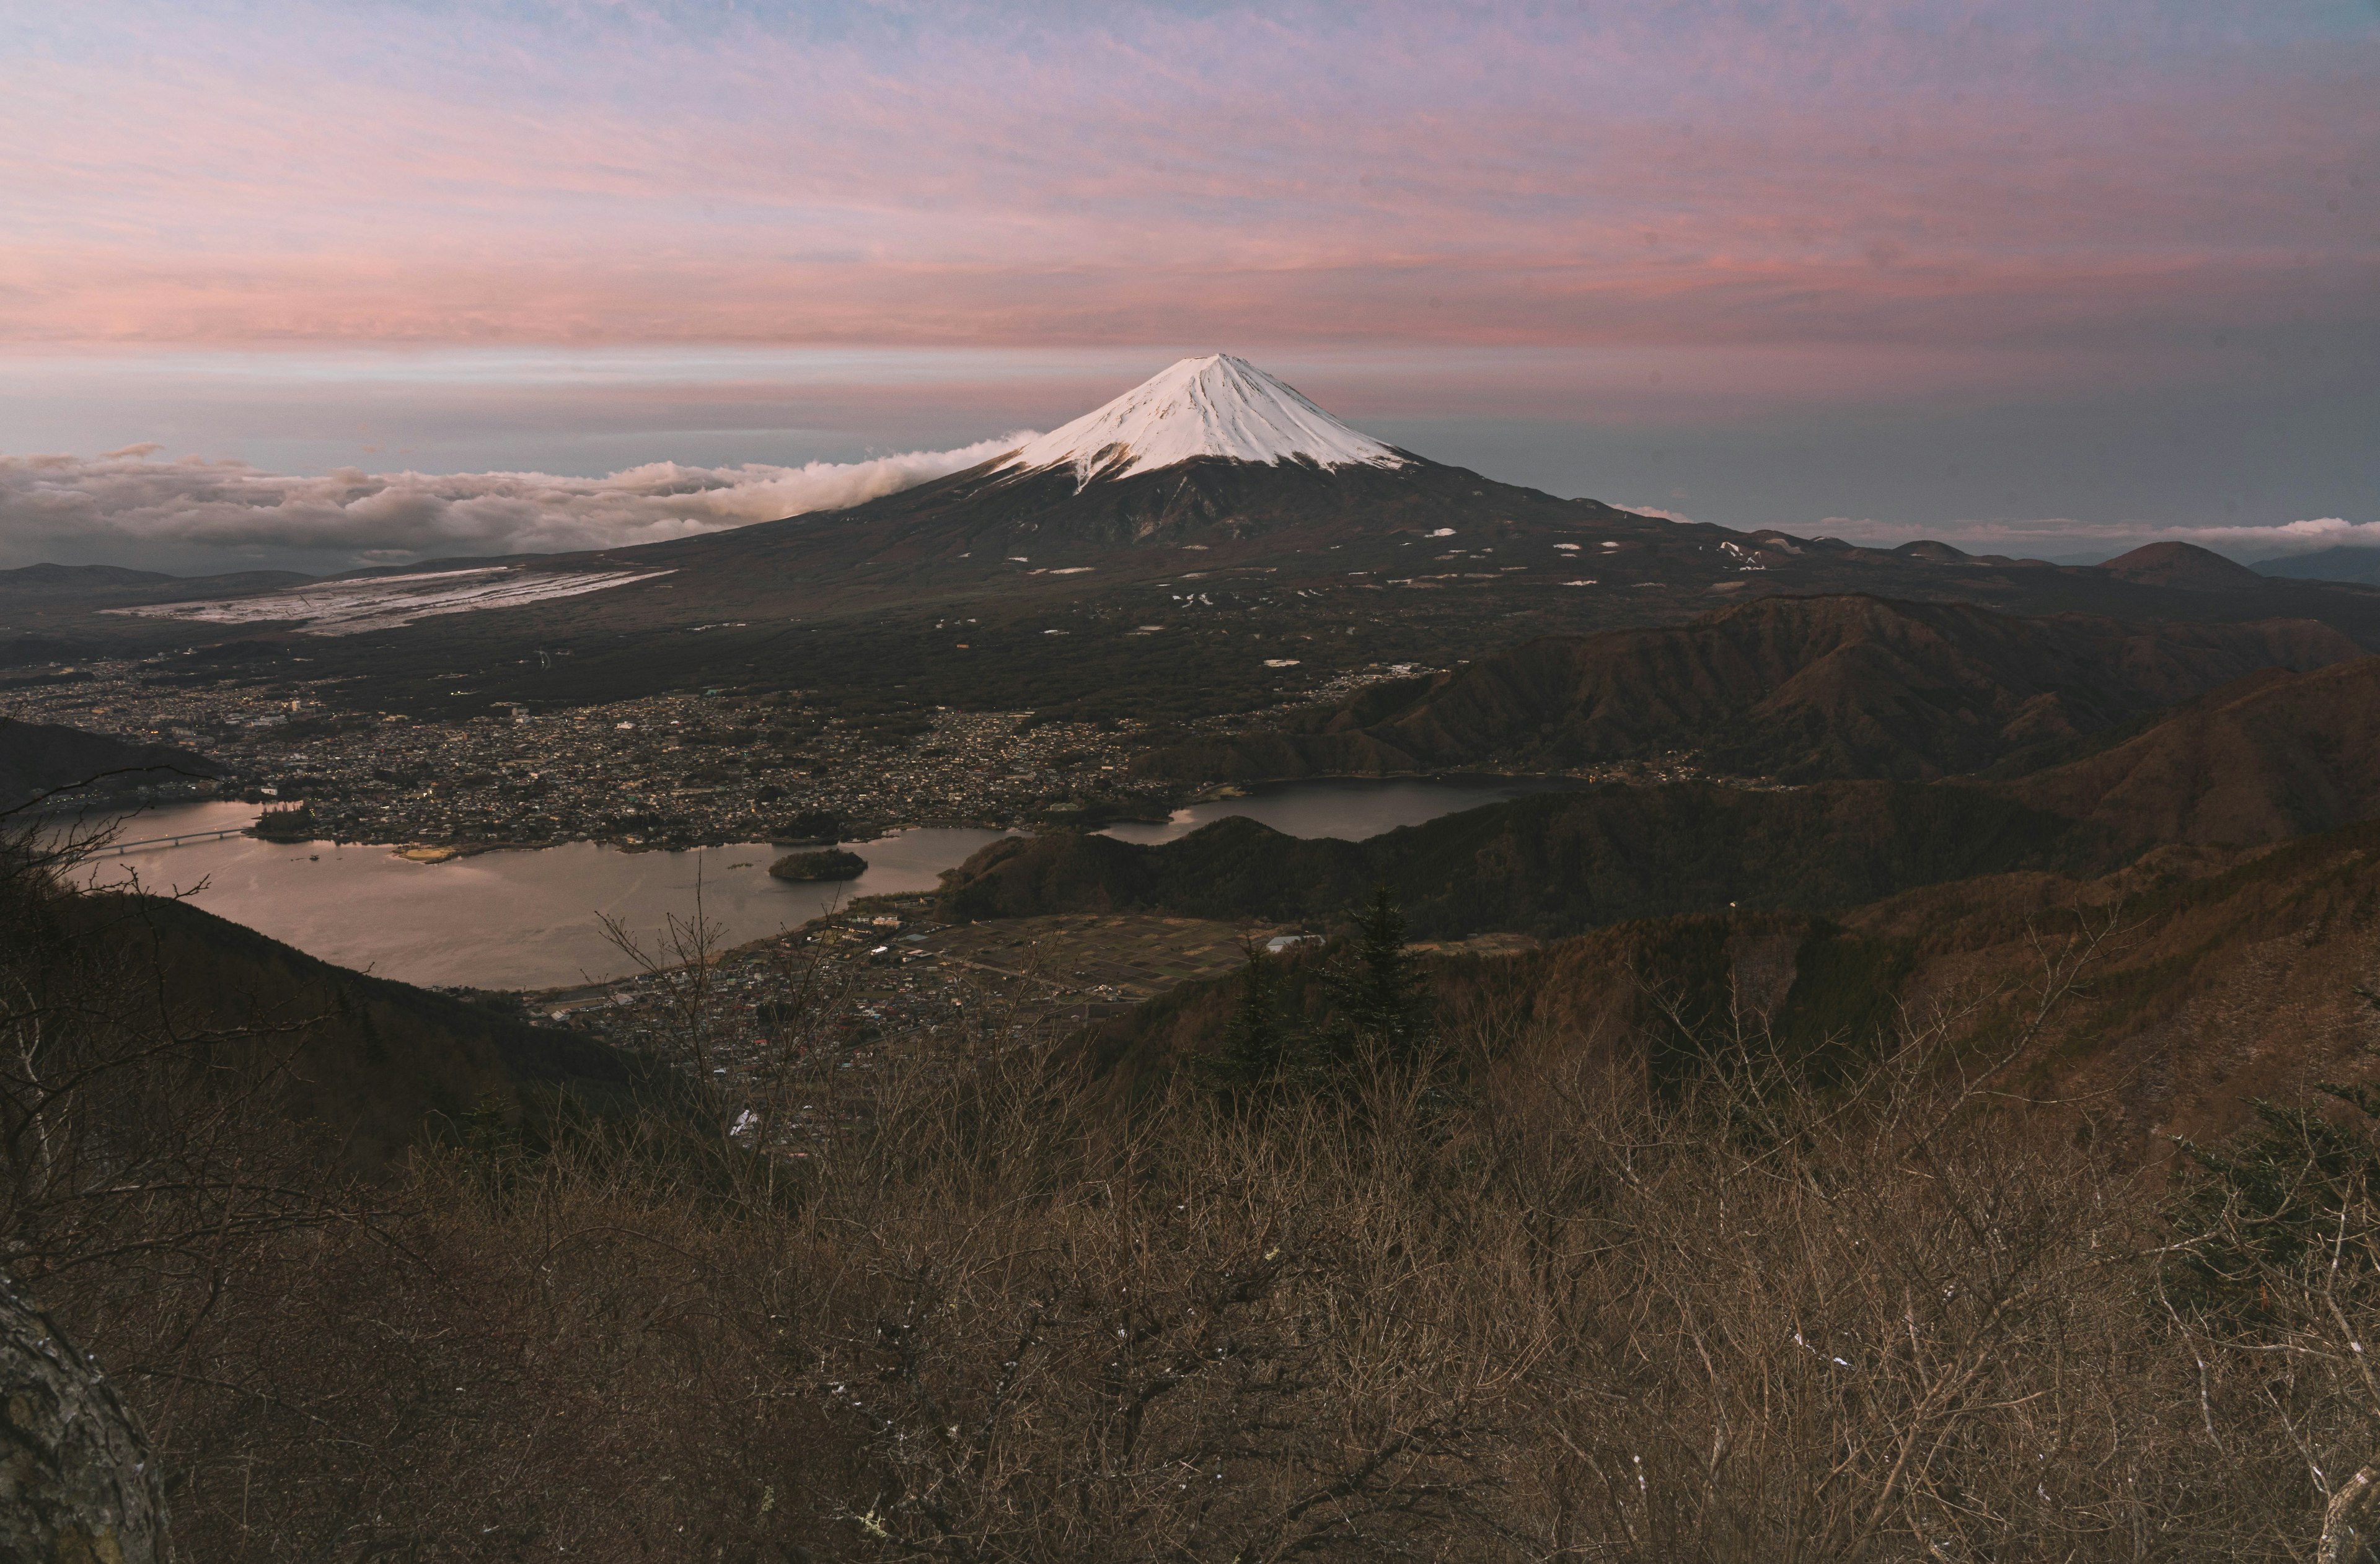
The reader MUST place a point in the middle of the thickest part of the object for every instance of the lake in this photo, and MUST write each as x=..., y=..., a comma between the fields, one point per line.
x=522, y=920
x=526, y=919
x=1350, y=807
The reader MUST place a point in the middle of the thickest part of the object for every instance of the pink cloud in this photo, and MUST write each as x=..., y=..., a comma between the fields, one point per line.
x=1852, y=175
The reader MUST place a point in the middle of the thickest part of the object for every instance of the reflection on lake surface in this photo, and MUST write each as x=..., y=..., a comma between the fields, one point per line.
x=1353, y=808
x=526, y=919
x=497, y=920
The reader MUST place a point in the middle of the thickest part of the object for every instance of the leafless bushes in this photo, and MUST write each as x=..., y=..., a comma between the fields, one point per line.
x=1879, y=1313
x=135, y=1129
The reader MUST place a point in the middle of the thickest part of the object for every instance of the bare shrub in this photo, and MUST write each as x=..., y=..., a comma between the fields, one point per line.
x=1488, y=1302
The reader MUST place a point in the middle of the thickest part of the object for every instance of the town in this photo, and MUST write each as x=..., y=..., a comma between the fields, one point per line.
x=663, y=771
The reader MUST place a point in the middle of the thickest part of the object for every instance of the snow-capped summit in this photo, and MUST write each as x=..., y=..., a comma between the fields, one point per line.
x=1218, y=405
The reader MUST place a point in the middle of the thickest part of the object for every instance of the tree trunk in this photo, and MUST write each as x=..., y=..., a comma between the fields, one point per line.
x=77, y=1483
x=2349, y=1526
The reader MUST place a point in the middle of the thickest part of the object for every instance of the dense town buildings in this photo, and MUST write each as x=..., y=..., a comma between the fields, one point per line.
x=666, y=770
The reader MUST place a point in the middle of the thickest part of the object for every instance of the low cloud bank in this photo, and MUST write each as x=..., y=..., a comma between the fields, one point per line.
x=2290, y=537
x=1657, y=512
x=2064, y=537
x=124, y=505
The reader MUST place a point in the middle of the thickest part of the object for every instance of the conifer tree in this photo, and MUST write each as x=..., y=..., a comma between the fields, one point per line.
x=1380, y=998
x=1257, y=1040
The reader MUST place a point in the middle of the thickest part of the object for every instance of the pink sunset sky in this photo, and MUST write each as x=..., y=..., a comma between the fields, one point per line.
x=2020, y=274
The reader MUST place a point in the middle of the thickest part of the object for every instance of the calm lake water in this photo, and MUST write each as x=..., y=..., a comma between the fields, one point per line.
x=498, y=920
x=1352, y=808
x=526, y=919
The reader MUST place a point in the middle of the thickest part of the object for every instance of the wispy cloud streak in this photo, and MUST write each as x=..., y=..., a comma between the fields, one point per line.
x=1730, y=173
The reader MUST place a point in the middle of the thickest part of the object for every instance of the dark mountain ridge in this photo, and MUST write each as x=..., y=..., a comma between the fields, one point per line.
x=2262, y=761
x=2274, y=755
x=1799, y=689
x=373, y=1059
x=1550, y=864
x=34, y=585
x=39, y=758
x=2345, y=562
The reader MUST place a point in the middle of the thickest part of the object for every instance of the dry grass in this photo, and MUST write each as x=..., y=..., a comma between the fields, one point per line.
x=1552, y=1315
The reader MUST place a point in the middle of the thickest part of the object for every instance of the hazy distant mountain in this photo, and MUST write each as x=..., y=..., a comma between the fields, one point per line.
x=1799, y=689
x=2325, y=565
x=70, y=578
x=2184, y=566
x=45, y=585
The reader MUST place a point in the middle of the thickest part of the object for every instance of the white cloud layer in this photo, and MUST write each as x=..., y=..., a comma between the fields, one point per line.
x=2289, y=537
x=2052, y=534
x=124, y=505
x=1657, y=512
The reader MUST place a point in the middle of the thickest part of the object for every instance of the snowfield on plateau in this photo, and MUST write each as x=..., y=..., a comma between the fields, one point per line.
x=348, y=608
x=1218, y=405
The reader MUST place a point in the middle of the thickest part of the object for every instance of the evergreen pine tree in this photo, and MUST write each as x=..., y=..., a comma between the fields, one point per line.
x=1257, y=1040
x=1380, y=998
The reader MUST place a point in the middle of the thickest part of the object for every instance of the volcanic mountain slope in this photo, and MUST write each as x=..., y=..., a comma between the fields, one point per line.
x=1208, y=456
x=2184, y=566
x=1800, y=689
x=1213, y=468
x=1214, y=471
x=1209, y=543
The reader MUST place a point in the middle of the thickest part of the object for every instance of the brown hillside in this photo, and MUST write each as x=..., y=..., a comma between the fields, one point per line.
x=2206, y=993
x=2183, y=566
x=2274, y=756
x=371, y=1060
x=1797, y=688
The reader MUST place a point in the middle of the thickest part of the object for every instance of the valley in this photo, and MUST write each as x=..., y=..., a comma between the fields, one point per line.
x=1286, y=871
x=1082, y=633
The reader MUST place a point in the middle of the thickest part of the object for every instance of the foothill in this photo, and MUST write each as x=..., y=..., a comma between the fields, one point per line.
x=1880, y=1017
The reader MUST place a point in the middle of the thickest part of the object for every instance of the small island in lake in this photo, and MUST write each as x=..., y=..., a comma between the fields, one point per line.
x=284, y=823
x=832, y=864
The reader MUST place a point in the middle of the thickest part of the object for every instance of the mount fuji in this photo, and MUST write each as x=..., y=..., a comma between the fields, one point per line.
x=1211, y=455
x=1209, y=541
x=1218, y=407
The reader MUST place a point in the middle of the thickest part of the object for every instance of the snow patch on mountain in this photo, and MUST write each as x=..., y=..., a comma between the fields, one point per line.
x=1218, y=405
x=387, y=602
